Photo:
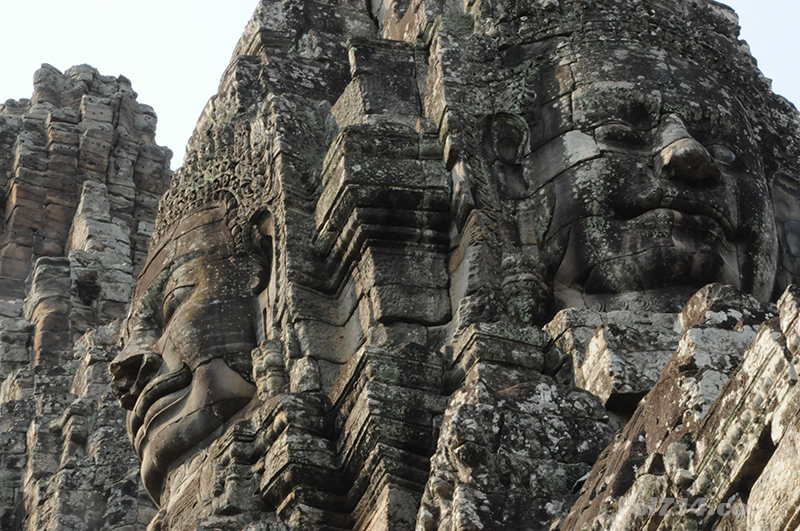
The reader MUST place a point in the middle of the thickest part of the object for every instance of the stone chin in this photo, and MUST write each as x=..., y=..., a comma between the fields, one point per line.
x=693, y=251
x=664, y=250
x=167, y=424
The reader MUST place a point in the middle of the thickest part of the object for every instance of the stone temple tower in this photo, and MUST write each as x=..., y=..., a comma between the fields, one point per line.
x=456, y=266
x=80, y=180
x=426, y=258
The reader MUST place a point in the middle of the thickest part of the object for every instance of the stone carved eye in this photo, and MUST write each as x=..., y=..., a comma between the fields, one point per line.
x=173, y=301
x=619, y=133
x=722, y=154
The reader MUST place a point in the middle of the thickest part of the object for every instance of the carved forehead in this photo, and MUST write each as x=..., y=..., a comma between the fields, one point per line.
x=639, y=87
x=649, y=79
x=202, y=233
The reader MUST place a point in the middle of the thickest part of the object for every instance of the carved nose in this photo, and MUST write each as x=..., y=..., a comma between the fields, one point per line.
x=687, y=160
x=130, y=372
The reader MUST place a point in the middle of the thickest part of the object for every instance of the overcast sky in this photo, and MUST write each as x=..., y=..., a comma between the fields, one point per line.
x=174, y=51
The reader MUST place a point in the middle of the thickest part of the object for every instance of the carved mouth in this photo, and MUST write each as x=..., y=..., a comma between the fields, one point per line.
x=657, y=249
x=689, y=226
x=152, y=394
x=688, y=214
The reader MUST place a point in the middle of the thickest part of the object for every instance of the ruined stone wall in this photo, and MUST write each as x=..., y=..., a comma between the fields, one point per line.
x=80, y=179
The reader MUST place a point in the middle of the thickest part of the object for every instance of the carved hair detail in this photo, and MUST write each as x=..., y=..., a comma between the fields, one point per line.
x=245, y=195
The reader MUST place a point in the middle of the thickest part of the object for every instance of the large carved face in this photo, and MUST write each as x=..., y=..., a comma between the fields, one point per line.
x=185, y=369
x=658, y=188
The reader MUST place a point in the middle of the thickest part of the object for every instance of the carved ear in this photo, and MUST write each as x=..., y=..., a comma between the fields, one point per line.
x=261, y=245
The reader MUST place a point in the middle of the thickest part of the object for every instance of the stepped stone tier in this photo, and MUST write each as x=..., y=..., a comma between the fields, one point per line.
x=433, y=266
x=80, y=180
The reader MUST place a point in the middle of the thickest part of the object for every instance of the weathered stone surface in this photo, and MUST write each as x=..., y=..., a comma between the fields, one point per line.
x=71, y=132
x=338, y=321
x=342, y=302
x=616, y=355
x=65, y=462
x=703, y=433
x=508, y=454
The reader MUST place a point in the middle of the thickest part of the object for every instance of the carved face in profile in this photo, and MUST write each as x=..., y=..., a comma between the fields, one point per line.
x=656, y=187
x=185, y=370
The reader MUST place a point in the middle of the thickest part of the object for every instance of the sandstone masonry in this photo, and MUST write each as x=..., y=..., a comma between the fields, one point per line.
x=80, y=179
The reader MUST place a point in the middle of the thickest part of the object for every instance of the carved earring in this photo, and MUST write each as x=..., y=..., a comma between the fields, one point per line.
x=261, y=246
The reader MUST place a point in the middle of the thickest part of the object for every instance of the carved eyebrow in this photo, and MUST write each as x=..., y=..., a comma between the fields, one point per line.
x=151, y=302
x=602, y=102
x=177, y=275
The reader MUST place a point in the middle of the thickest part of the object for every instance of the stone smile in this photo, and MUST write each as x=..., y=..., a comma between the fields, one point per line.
x=695, y=226
x=689, y=215
x=157, y=389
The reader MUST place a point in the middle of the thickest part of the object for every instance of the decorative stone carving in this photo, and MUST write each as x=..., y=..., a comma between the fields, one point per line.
x=340, y=312
x=424, y=260
x=186, y=367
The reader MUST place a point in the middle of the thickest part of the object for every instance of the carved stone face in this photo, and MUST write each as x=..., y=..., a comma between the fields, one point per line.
x=657, y=187
x=185, y=370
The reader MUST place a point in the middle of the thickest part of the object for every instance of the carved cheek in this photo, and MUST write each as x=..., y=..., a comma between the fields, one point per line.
x=205, y=329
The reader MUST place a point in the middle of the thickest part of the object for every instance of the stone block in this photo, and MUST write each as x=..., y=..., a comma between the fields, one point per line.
x=329, y=342
x=393, y=302
x=624, y=362
x=91, y=161
x=54, y=232
x=10, y=308
x=49, y=247
x=12, y=251
x=49, y=345
x=13, y=354
x=19, y=235
x=501, y=343
x=59, y=214
x=63, y=115
x=294, y=454
x=25, y=196
x=31, y=177
x=381, y=57
x=126, y=192
x=96, y=109
x=108, y=311
x=21, y=216
x=394, y=510
x=410, y=366
x=362, y=181
x=52, y=322
x=31, y=158
x=408, y=267
x=13, y=273
x=723, y=307
x=62, y=133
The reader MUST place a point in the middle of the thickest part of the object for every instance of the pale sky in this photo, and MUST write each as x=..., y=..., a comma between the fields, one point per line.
x=174, y=51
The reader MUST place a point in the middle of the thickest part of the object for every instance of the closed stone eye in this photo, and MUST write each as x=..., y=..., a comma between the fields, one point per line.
x=722, y=154
x=619, y=133
x=173, y=301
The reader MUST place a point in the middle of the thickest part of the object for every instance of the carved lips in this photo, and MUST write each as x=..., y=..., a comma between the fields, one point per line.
x=157, y=389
